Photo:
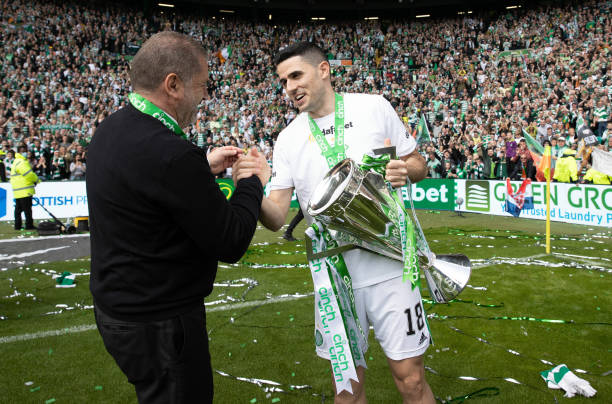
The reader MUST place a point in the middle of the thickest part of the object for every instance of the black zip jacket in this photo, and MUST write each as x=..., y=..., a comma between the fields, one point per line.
x=159, y=222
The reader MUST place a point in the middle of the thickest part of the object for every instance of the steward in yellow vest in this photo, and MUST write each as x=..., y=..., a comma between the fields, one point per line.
x=23, y=180
x=597, y=177
x=566, y=169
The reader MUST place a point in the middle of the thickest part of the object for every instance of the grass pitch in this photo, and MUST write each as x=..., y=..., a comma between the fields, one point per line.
x=260, y=322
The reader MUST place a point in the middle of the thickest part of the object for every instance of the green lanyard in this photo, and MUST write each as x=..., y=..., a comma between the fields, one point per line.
x=147, y=107
x=332, y=154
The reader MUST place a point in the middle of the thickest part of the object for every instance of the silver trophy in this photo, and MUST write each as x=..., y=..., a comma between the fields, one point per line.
x=359, y=207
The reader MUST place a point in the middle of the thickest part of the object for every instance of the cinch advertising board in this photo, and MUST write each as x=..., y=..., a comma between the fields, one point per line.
x=69, y=199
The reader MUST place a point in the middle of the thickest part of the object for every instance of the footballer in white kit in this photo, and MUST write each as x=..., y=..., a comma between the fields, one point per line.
x=382, y=299
x=391, y=306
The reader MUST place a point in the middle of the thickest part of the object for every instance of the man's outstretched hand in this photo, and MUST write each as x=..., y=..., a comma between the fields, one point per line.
x=222, y=158
x=254, y=163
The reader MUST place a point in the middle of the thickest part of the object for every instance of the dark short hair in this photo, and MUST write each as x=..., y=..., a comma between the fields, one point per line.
x=308, y=50
x=164, y=53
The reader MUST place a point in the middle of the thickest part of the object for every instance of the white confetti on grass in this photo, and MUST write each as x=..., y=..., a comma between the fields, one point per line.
x=89, y=327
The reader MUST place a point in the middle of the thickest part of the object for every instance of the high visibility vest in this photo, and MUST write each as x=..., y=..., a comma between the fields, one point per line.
x=597, y=177
x=566, y=169
x=23, y=178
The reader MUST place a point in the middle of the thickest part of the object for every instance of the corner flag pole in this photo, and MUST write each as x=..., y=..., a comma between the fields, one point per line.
x=548, y=214
x=547, y=174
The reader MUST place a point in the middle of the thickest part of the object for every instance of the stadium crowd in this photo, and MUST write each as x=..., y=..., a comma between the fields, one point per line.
x=478, y=83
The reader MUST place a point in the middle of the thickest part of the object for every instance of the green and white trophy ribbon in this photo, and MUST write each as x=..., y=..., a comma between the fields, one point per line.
x=147, y=107
x=337, y=328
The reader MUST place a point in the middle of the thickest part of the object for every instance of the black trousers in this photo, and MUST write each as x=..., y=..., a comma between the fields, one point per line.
x=167, y=361
x=23, y=205
x=294, y=222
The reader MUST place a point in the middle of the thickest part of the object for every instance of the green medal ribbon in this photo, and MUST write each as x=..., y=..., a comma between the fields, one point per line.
x=147, y=107
x=484, y=392
x=336, y=153
x=403, y=222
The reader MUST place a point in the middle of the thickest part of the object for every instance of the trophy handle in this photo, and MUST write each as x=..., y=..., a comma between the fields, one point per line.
x=422, y=244
x=310, y=255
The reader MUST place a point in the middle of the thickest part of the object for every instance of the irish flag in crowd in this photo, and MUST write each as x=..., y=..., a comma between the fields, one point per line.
x=224, y=54
x=541, y=160
x=522, y=198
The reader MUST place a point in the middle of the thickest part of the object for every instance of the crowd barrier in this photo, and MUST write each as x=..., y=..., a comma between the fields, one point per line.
x=570, y=203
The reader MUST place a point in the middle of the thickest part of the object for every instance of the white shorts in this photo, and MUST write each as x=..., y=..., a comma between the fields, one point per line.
x=396, y=313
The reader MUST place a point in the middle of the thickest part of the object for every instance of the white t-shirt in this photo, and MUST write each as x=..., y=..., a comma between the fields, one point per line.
x=298, y=163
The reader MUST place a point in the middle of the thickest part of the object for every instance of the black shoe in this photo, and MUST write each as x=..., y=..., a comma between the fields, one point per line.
x=31, y=228
x=289, y=237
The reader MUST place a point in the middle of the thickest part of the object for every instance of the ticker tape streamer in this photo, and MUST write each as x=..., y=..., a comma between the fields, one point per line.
x=485, y=392
x=430, y=301
x=254, y=265
x=270, y=386
x=592, y=264
x=512, y=351
x=437, y=316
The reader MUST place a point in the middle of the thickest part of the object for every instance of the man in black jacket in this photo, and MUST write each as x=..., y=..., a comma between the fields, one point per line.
x=2, y=167
x=159, y=224
x=489, y=160
x=523, y=168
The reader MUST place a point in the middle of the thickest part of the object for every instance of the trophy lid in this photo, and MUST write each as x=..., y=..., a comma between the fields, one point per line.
x=331, y=187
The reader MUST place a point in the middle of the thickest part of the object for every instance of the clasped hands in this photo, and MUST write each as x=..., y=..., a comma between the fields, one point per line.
x=243, y=165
